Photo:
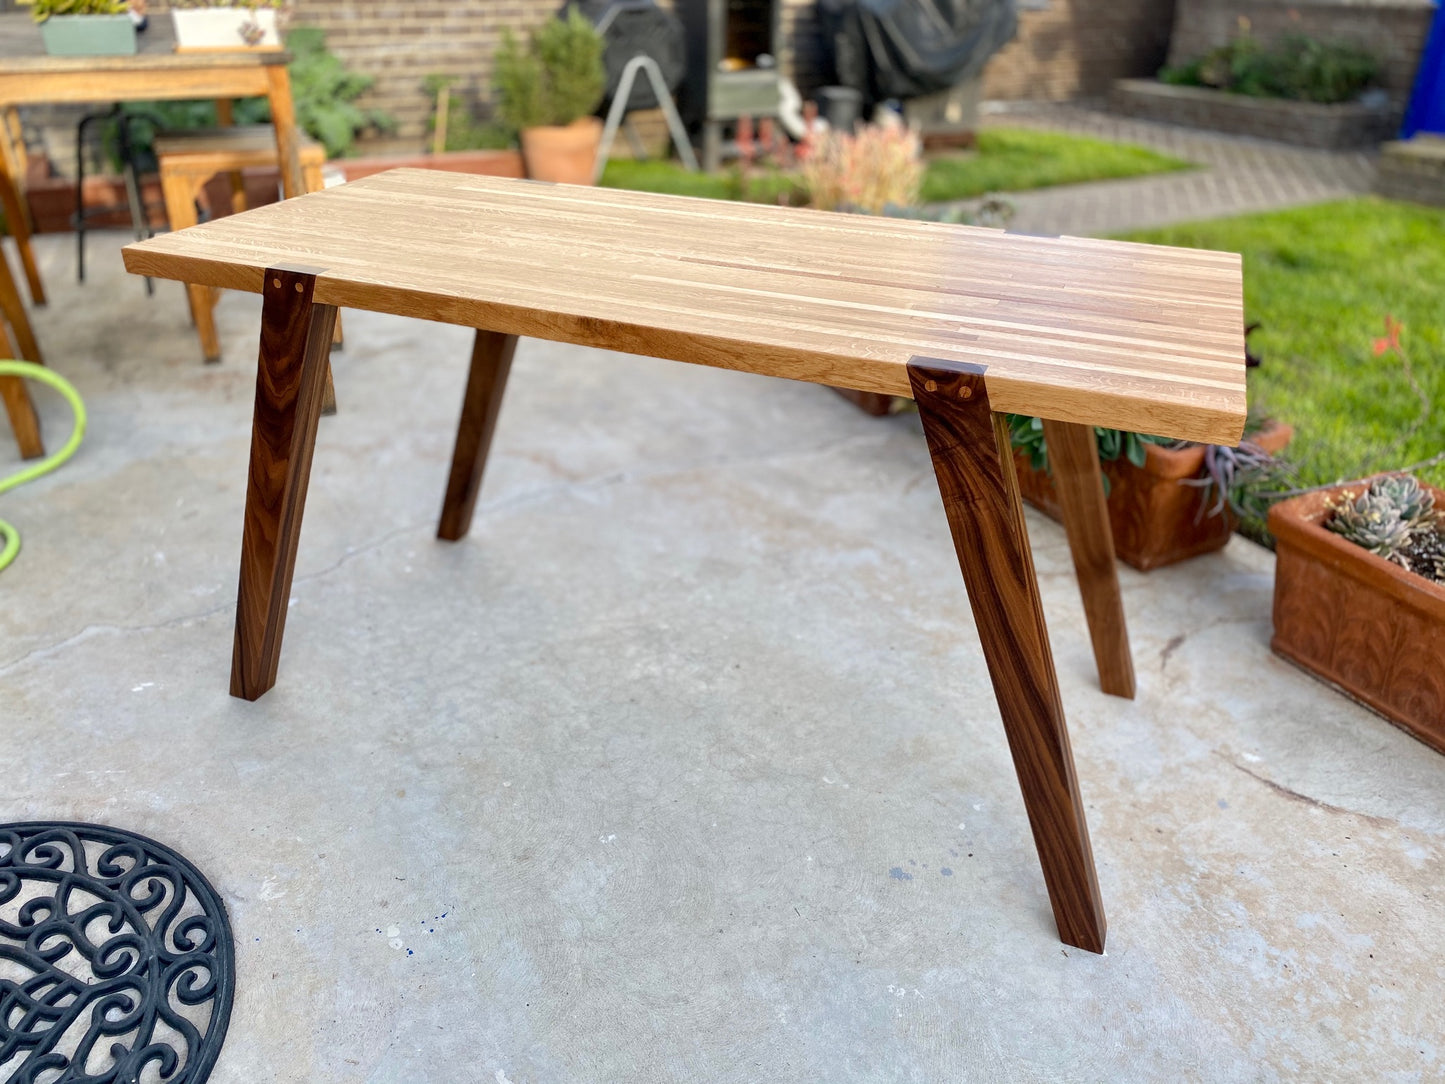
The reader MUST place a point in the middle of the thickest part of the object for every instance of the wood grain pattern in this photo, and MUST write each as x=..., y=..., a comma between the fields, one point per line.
x=295, y=343
x=1097, y=332
x=974, y=464
x=1361, y=623
x=12, y=310
x=486, y=382
x=17, y=223
x=1074, y=456
x=24, y=421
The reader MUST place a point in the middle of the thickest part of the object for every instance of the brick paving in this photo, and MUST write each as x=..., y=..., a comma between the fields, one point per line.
x=1235, y=175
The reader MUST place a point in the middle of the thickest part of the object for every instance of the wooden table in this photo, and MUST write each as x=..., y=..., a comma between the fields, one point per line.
x=156, y=73
x=968, y=322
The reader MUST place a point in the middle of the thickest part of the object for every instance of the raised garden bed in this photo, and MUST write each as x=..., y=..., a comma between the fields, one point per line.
x=1357, y=621
x=1413, y=169
x=1156, y=518
x=1305, y=124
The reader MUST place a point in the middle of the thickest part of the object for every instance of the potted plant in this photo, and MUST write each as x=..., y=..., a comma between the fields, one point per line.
x=226, y=24
x=547, y=91
x=1168, y=500
x=85, y=27
x=1359, y=595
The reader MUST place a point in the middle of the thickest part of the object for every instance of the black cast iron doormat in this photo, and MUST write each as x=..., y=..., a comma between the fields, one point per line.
x=116, y=959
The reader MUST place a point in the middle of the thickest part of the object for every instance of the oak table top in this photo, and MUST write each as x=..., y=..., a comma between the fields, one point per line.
x=1109, y=333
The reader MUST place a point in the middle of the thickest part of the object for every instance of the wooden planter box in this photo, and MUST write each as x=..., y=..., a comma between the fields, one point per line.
x=1358, y=622
x=1157, y=520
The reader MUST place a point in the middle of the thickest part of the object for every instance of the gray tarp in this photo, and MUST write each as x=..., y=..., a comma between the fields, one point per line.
x=908, y=48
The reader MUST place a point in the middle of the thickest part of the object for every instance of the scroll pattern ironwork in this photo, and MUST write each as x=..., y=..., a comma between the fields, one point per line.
x=116, y=959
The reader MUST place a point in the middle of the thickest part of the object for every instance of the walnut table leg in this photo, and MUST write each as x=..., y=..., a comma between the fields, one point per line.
x=974, y=464
x=1074, y=461
x=491, y=362
x=295, y=341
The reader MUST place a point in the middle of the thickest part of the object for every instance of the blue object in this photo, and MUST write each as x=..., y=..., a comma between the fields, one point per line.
x=1427, y=106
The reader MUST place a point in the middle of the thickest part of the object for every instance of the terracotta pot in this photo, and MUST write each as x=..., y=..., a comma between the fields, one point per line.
x=486, y=163
x=1360, y=623
x=565, y=155
x=1157, y=520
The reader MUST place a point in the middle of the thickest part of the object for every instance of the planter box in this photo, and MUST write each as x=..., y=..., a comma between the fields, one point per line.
x=1360, y=623
x=1157, y=520
x=485, y=163
x=226, y=28
x=88, y=35
x=1413, y=169
x=1306, y=124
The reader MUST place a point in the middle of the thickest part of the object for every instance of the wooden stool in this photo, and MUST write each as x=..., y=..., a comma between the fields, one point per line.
x=190, y=159
x=17, y=340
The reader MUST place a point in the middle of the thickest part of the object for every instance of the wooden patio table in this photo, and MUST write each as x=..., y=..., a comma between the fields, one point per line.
x=157, y=72
x=968, y=322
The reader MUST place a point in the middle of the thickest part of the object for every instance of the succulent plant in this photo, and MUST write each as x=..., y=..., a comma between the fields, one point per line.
x=1386, y=516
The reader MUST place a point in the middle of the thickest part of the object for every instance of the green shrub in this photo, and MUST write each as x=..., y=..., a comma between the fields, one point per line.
x=44, y=9
x=1296, y=67
x=325, y=92
x=554, y=79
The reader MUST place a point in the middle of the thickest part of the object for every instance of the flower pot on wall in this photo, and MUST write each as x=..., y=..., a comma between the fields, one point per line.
x=565, y=155
x=88, y=35
x=1156, y=518
x=1364, y=625
x=226, y=28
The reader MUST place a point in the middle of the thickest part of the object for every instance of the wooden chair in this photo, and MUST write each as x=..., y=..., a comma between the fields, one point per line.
x=17, y=340
x=188, y=160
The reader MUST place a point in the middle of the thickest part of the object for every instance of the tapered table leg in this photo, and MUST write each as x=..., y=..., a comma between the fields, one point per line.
x=1074, y=463
x=295, y=342
x=491, y=362
x=974, y=464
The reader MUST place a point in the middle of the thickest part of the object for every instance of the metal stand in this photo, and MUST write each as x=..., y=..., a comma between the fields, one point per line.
x=618, y=113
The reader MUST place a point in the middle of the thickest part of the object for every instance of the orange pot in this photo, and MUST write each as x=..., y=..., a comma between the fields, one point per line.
x=1358, y=622
x=565, y=155
x=1157, y=520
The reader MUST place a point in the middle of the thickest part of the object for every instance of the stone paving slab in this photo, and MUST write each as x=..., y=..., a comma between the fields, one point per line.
x=1236, y=175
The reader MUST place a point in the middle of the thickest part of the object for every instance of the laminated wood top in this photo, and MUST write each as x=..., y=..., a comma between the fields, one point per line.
x=1108, y=333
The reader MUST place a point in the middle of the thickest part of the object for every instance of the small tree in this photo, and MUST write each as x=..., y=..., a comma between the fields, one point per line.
x=556, y=78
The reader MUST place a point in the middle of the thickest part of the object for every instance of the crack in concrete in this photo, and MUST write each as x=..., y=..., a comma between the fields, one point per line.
x=1296, y=796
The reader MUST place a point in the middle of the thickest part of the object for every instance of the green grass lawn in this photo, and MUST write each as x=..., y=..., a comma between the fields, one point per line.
x=1007, y=160
x=1015, y=159
x=1321, y=280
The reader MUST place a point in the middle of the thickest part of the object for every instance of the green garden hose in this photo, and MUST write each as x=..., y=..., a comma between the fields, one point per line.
x=9, y=536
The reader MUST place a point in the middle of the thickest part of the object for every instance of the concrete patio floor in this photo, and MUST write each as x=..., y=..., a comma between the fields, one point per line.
x=690, y=743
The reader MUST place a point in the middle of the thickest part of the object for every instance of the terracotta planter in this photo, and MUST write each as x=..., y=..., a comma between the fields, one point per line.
x=1358, y=622
x=486, y=163
x=565, y=155
x=1156, y=518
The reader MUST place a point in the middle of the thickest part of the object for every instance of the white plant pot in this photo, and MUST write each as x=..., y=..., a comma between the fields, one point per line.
x=226, y=28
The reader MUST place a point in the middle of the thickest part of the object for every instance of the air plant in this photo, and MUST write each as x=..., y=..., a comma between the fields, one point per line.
x=1232, y=479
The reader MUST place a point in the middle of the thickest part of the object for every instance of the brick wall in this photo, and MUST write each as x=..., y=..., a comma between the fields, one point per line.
x=401, y=42
x=1072, y=48
x=1394, y=30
